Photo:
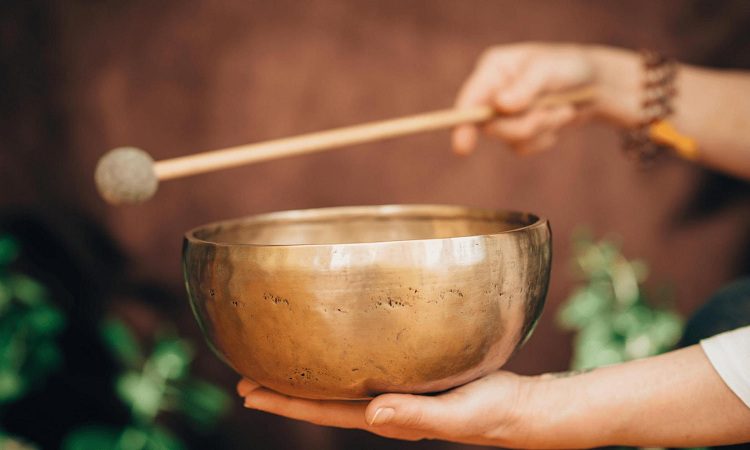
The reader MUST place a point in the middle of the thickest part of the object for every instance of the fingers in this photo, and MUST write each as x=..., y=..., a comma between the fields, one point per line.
x=510, y=95
x=479, y=89
x=502, y=79
x=465, y=139
x=320, y=412
x=542, y=142
x=532, y=131
x=410, y=417
x=520, y=92
x=340, y=414
x=482, y=84
x=476, y=412
x=246, y=386
x=511, y=78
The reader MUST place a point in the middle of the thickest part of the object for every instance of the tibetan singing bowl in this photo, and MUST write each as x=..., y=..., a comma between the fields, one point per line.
x=347, y=303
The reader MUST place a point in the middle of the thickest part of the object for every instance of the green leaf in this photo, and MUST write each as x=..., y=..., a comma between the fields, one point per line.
x=45, y=320
x=27, y=290
x=171, y=358
x=584, y=304
x=12, y=386
x=610, y=310
x=666, y=330
x=596, y=345
x=597, y=354
x=161, y=439
x=93, y=437
x=624, y=283
x=12, y=344
x=6, y=295
x=122, y=343
x=9, y=250
x=203, y=402
x=640, y=346
x=44, y=357
x=632, y=321
x=133, y=438
x=142, y=393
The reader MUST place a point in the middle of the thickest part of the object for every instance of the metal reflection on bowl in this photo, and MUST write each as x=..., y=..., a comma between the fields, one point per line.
x=350, y=302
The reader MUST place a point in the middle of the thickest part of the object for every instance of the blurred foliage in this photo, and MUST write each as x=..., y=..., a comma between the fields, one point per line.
x=29, y=326
x=149, y=384
x=612, y=316
x=13, y=443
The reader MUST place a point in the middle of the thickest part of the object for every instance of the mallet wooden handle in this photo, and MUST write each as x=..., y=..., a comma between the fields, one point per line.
x=340, y=137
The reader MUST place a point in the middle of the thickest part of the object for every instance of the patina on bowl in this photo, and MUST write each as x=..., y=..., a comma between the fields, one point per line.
x=350, y=302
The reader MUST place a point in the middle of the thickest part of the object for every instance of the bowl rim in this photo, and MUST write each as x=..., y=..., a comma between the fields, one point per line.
x=384, y=210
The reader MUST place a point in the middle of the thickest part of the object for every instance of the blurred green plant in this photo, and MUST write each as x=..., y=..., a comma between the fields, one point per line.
x=13, y=443
x=29, y=326
x=612, y=316
x=613, y=319
x=149, y=385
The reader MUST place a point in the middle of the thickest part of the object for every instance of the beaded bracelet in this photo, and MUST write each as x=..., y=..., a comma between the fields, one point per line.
x=654, y=133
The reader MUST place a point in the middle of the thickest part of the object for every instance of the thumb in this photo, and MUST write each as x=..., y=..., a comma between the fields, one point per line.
x=409, y=411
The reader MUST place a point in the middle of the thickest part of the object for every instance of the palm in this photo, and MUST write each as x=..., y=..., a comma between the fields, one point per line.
x=474, y=413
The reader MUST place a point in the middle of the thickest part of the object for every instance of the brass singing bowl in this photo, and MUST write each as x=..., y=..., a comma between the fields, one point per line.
x=351, y=302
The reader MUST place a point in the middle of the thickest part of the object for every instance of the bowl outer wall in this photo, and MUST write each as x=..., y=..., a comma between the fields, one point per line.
x=350, y=321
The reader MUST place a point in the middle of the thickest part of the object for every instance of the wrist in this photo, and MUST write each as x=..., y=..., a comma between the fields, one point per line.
x=617, y=77
x=566, y=412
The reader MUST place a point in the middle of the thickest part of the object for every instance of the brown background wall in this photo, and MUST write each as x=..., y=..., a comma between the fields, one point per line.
x=177, y=77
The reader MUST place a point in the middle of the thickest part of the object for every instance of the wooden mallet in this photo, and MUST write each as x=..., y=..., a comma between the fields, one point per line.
x=130, y=175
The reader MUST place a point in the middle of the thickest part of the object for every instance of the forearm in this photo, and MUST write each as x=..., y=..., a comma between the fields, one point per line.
x=711, y=106
x=672, y=400
x=714, y=108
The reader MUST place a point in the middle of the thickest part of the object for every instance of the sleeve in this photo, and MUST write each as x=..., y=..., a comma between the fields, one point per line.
x=729, y=353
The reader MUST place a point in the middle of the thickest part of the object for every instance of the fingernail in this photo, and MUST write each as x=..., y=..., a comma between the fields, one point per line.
x=382, y=415
x=249, y=402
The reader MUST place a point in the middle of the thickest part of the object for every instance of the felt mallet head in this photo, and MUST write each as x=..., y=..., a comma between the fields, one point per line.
x=126, y=175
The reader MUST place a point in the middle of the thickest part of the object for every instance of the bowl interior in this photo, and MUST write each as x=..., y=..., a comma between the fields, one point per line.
x=349, y=225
